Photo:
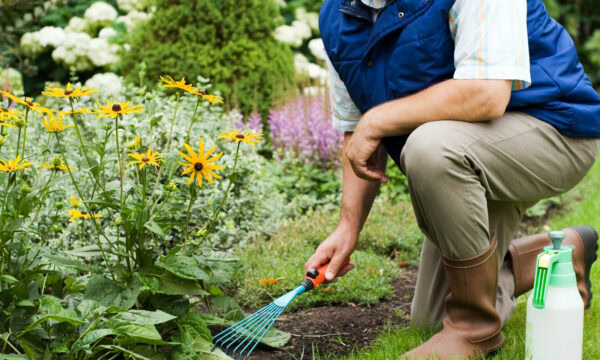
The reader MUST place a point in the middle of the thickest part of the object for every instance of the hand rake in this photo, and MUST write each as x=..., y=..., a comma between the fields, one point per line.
x=243, y=336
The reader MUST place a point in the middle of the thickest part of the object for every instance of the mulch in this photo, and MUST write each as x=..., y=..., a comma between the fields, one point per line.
x=338, y=330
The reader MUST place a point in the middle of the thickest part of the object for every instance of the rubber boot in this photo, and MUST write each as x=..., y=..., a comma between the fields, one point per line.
x=472, y=326
x=524, y=252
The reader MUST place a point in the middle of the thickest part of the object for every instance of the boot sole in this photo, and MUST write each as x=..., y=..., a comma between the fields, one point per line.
x=589, y=237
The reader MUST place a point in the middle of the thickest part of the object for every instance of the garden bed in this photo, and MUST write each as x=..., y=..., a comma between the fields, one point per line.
x=338, y=330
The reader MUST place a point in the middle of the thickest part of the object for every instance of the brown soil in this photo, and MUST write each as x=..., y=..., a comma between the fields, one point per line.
x=341, y=329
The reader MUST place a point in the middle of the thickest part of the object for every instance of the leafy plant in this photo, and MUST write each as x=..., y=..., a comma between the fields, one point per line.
x=134, y=286
x=227, y=41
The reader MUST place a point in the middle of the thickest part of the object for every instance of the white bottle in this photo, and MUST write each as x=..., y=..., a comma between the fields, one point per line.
x=555, y=307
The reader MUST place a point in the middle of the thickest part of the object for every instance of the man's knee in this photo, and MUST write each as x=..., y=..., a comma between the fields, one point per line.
x=431, y=151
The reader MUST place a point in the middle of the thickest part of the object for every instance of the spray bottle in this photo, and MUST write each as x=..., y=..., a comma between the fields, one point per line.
x=555, y=306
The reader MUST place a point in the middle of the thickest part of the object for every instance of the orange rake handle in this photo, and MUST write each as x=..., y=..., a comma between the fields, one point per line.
x=315, y=277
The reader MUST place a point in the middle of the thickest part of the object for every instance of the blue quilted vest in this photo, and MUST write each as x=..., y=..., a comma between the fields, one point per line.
x=409, y=48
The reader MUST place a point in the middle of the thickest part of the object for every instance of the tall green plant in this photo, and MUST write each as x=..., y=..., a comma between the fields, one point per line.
x=229, y=41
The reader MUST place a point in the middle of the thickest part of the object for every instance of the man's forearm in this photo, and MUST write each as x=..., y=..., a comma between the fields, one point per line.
x=357, y=194
x=463, y=100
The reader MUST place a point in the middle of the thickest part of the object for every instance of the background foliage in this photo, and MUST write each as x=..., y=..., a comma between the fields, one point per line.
x=228, y=41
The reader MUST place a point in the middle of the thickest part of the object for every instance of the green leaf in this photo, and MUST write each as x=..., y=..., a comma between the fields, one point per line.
x=183, y=266
x=141, y=333
x=144, y=317
x=172, y=285
x=87, y=307
x=8, y=279
x=90, y=337
x=109, y=293
x=116, y=348
x=69, y=262
x=152, y=226
x=234, y=176
x=25, y=303
x=12, y=357
x=193, y=323
x=198, y=348
x=86, y=251
x=51, y=309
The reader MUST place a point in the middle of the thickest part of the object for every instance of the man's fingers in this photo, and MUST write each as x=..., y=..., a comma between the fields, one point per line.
x=316, y=261
x=335, y=265
x=366, y=173
x=345, y=269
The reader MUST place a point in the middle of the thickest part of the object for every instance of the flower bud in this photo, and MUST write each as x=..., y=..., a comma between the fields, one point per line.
x=26, y=189
x=59, y=205
x=118, y=221
x=172, y=185
x=149, y=96
x=20, y=122
x=202, y=232
x=57, y=162
x=2, y=140
x=56, y=228
x=107, y=127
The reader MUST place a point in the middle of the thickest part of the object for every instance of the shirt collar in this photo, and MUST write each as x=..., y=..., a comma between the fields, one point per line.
x=376, y=4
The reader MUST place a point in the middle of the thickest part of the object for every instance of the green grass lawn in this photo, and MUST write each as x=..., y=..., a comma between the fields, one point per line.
x=585, y=210
x=388, y=235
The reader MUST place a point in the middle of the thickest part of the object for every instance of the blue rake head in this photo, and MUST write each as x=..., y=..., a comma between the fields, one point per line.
x=242, y=337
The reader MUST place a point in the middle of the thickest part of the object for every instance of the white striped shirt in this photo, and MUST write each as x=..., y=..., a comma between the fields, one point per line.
x=490, y=39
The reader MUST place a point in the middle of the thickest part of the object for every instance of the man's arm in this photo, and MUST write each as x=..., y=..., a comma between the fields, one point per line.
x=357, y=199
x=463, y=100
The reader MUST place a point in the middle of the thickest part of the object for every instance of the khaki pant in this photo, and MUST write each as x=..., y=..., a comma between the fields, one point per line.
x=468, y=180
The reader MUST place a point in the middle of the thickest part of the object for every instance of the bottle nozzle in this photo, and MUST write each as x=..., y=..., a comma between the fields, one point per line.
x=557, y=238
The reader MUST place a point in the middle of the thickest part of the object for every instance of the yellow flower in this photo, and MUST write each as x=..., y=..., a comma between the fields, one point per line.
x=69, y=92
x=212, y=98
x=74, y=201
x=9, y=114
x=149, y=158
x=13, y=165
x=56, y=165
x=54, y=124
x=248, y=137
x=135, y=143
x=170, y=83
x=76, y=214
x=77, y=111
x=28, y=102
x=199, y=164
x=113, y=109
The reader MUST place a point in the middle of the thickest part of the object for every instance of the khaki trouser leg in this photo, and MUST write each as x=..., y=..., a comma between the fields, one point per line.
x=470, y=179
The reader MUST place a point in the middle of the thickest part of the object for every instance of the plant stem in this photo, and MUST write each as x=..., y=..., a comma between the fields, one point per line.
x=218, y=211
x=25, y=133
x=187, y=137
x=98, y=231
x=119, y=158
x=167, y=147
x=5, y=199
x=18, y=143
x=189, y=211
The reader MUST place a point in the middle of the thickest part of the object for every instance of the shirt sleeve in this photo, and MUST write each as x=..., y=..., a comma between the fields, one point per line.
x=345, y=113
x=491, y=40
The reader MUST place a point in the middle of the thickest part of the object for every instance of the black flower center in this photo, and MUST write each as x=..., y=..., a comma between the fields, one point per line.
x=68, y=92
x=116, y=107
x=29, y=103
x=9, y=167
x=4, y=109
x=83, y=213
x=240, y=136
x=198, y=166
x=145, y=159
x=202, y=92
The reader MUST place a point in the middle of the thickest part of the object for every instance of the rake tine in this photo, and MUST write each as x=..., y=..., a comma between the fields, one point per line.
x=262, y=336
x=265, y=326
x=240, y=329
x=233, y=328
x=242, y=333
x=253, y=330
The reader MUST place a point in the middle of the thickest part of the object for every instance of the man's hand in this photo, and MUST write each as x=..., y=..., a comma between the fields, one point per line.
x=335, y=249
x=362, y=152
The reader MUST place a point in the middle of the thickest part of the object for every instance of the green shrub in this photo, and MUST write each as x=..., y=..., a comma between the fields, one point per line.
x=228, y=41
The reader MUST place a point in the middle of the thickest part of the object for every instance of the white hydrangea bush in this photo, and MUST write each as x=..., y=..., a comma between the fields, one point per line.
x=35, y=43
x=109, y=84
x=101, y=13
